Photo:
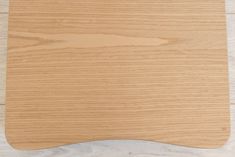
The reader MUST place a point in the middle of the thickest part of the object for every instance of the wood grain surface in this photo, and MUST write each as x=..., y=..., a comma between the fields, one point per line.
x=122, y=148
x=146, y=70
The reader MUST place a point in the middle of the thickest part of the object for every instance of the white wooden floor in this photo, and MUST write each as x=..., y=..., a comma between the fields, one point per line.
x=120, y=148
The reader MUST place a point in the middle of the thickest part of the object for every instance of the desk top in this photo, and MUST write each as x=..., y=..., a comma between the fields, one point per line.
x=97, y=70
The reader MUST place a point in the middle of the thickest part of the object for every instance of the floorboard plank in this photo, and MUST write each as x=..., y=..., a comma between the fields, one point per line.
x=3, y=6
x=231, y=54
x=230, y=6
x=3, y=50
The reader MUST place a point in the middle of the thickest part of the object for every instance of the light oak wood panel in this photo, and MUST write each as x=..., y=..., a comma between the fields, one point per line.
x=128, y=148
x=152, y=70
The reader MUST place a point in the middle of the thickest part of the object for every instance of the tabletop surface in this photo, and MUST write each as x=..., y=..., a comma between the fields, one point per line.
x=121, y=148
x=148, y=70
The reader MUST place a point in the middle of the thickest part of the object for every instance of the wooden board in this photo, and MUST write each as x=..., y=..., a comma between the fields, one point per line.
x=98, y=70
